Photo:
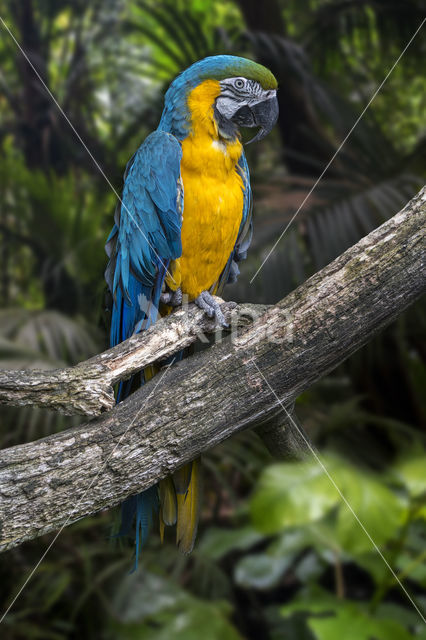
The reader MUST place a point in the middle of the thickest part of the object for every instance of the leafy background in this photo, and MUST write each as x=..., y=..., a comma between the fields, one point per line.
x=279, y=554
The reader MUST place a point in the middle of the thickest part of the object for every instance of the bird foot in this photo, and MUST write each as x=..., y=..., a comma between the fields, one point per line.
x=172, y=298
x=211, y=307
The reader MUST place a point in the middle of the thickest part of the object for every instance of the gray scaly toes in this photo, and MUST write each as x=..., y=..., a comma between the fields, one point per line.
x=211, y=307
x=172, y=298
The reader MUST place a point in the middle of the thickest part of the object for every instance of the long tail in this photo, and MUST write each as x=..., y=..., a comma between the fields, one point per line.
x=140, y=508
x=176, y=500
x=187, y=484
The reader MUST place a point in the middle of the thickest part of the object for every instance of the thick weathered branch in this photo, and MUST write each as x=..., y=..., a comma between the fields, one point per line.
x=199, y=402
x=87, y=388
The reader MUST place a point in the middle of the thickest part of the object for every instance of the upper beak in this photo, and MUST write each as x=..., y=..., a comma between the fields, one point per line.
x=262, y=114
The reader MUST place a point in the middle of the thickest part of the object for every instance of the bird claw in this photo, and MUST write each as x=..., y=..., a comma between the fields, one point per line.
x=211, y=307
x=172, y=298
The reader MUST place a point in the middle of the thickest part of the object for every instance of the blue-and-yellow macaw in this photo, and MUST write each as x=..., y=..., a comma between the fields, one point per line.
x=182, y=225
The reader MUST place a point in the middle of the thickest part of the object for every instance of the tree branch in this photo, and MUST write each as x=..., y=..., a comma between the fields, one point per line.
x=87, y=388
x=201, y=401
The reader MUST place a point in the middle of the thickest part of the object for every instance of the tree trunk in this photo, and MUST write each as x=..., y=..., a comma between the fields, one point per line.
x=239, y=383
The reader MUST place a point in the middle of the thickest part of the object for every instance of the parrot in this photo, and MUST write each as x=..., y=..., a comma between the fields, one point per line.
x=181, y=227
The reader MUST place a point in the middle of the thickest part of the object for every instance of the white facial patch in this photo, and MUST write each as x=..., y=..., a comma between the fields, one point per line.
x=240, y=92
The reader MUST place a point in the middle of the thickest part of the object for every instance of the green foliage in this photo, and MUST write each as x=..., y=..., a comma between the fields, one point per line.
x=410, y=470
x=284, y=499
x=43, y=336
x=300, y=500
x=261, y=571
x=217, y=543
x=182, y=33
x=332, y=618
x=166, y=611
x=55, y=228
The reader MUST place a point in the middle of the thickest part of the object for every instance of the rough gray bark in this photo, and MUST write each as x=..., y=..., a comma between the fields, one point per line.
x=284, y=436
x=87, y=388
x=190, y=407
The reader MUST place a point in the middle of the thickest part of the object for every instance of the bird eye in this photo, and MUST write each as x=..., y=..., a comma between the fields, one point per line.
x=239, y=83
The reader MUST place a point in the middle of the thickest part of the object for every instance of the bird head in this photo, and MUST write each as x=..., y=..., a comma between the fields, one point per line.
x=243, y=102
x=246, y=95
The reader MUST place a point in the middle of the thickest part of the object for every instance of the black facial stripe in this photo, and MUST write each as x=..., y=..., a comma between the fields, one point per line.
x=251, y=89
x=230, y=92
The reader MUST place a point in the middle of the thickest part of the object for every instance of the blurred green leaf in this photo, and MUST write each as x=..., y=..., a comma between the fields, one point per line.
x=309, y=568
x=208, y=618
x=261, y=571
x=294, y=540
x=291, y=494
x=408, y=617
x=331, y=618
x=216, y=542
x=300, y=493
x=412, y=472
x=351, y=623
x=413, y=567
x=377, y=509
x=150, y=607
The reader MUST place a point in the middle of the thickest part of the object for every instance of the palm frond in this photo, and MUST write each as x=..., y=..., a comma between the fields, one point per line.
x=47, y=335
x=290, y=63
x=337, y=27
x=40, y=340
x=177, y=36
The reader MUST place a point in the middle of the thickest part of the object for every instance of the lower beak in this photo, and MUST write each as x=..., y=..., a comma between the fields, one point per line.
x=263, y=115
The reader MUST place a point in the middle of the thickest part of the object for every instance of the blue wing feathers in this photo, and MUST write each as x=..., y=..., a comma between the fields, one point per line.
x=146, y=234
x=245, y=232
x=246, y=227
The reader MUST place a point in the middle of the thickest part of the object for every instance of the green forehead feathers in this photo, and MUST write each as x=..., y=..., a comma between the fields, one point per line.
x=251, y=70
x=221, y=67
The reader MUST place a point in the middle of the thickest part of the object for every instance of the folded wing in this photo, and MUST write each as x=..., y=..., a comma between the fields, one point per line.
x=146, y=234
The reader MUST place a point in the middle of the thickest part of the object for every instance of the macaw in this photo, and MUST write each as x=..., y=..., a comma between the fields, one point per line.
x=181, y=227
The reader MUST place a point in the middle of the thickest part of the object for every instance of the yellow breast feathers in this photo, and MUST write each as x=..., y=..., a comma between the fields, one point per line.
x=213, y=195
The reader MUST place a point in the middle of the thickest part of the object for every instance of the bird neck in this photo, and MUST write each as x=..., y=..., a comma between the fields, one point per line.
x=206, y=136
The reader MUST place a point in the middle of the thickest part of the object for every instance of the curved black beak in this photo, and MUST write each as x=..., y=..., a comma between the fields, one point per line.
x=263, y=115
